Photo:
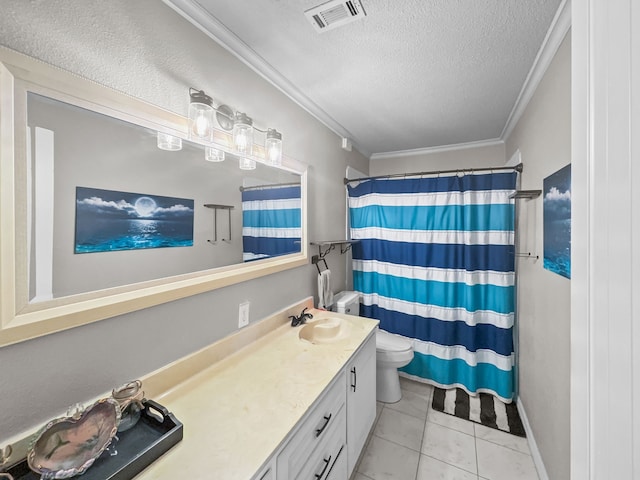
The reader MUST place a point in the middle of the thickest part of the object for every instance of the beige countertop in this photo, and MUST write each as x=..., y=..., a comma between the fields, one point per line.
x=237, y=411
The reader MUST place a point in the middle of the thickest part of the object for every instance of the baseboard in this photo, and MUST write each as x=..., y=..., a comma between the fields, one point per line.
x=535, y=453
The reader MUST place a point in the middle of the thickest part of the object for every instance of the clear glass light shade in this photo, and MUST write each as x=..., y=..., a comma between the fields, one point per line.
x=213, y=154
x=201, y=115
x=247, y=164
x=169, y=142
x=273, y=147
x=200, y=121
x=242, y=134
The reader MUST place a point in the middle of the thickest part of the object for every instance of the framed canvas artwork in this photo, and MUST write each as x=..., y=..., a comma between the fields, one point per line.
x=108, y=220
x=557, y=222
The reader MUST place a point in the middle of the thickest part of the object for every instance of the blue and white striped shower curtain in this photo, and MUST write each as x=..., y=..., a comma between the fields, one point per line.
x=435, y=263
x=271, y=219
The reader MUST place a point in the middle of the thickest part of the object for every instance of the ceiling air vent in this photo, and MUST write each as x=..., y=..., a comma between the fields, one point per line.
x=334, y=14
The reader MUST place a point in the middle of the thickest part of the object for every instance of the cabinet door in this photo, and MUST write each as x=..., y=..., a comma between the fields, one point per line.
x=361, y=399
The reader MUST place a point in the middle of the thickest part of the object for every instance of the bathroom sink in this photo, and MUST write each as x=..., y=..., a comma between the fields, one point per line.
x=325, y=330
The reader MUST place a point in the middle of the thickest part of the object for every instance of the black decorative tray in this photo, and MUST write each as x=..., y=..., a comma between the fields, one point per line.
x=137, y=448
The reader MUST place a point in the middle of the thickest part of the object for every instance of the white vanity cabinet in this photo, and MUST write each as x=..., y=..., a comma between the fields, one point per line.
x=361, y=399
x=329, y=440
x=315, y=443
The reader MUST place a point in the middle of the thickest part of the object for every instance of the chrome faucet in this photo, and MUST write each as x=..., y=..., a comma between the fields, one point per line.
x=302, y=318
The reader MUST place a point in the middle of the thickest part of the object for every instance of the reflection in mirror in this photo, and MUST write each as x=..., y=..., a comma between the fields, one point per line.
x=109, y=208
x=271, y=219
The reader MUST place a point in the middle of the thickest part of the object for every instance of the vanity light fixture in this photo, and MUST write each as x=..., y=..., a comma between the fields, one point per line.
x=212, y=154
x=169, y=142
x=200, y=115
x=242, y=134
x=273, y=147
x=225, y=117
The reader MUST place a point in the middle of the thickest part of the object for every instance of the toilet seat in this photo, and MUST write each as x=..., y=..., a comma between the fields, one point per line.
x=387, y=342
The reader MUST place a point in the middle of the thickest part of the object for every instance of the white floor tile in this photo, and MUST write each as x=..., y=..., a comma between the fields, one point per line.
x=411, y=403
x=420, y=388
x=496, y=462
x=449, y=421
x=450, y=446
x=386, y=460
x=431, y=469
x=502, y=438
x=400, y=428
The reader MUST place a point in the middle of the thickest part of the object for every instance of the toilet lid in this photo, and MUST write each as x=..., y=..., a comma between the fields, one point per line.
x=391, y=343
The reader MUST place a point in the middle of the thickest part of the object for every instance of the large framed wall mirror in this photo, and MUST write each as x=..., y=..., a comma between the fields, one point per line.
x=97, y=220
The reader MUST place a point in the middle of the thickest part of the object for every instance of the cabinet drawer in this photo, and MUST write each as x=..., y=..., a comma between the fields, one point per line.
x=328, y=460
x=328, y=413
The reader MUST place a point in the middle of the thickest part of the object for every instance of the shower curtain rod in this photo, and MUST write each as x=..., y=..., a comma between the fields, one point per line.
x=517, y=168
x=270, y=185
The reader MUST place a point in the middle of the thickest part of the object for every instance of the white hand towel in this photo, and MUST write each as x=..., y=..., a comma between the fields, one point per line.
x=325, y=295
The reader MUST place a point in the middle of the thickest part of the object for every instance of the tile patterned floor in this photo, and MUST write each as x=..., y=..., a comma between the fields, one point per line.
x=411, y=441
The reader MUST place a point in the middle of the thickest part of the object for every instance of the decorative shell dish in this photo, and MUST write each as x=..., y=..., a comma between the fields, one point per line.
x=68, y=446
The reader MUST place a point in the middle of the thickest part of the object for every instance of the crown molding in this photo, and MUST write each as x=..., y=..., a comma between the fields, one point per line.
x=429, y=150
x=214, y=29
x=218, y=32
x=555, y=35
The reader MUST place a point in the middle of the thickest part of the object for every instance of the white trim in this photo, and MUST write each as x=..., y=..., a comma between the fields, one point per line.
x=533, y=446
x=581, y=117
x=444, y=148
x=214, y=29
x=605, y=115
x=555, y=35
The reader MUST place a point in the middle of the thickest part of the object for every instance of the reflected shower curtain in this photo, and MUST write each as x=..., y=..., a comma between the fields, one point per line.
x=435, y=264
x=271, y=219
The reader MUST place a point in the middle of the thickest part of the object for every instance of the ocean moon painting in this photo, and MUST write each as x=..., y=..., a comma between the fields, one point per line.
x=557, y=222
x=108, y=220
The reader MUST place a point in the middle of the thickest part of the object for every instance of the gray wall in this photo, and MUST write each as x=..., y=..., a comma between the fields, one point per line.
x=146, y=50
x=543, y=136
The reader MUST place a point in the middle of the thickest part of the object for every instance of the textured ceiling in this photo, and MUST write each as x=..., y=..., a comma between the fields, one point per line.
x=412, y=74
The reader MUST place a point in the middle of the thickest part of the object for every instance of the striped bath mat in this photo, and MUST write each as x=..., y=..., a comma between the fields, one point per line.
x=483, y=408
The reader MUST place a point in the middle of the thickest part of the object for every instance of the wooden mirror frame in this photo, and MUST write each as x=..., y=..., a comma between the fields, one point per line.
x=21, y=320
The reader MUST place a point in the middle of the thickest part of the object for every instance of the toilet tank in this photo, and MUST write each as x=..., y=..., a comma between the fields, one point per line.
x=346, y=302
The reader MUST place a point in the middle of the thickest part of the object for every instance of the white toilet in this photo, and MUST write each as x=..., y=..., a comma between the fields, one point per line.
x=392, y=351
